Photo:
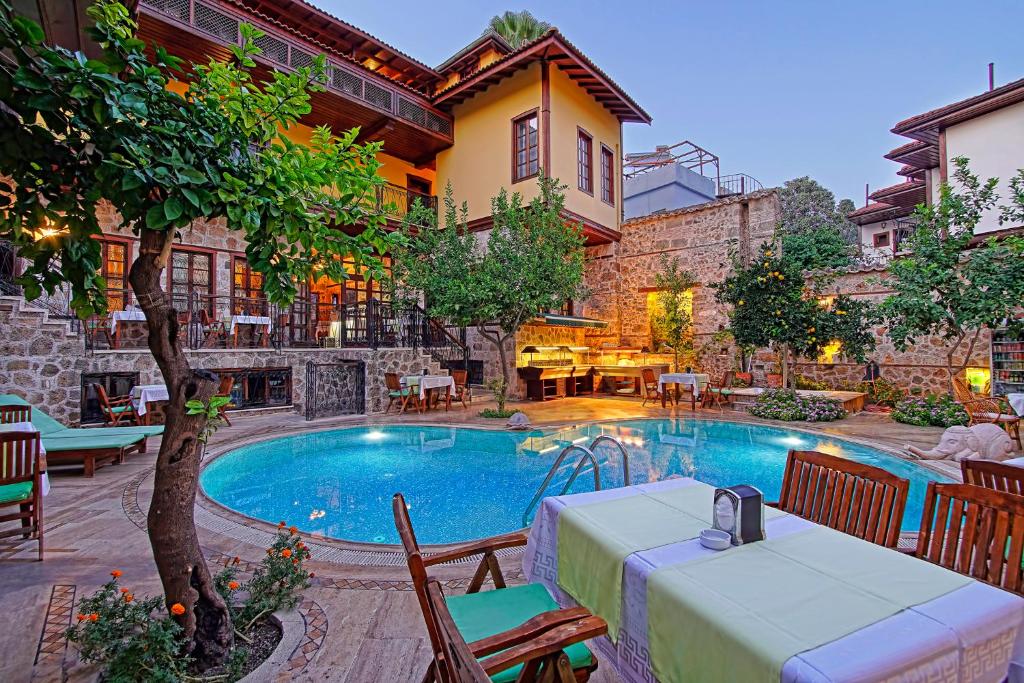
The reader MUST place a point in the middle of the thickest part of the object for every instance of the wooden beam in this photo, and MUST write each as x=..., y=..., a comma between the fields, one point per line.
x=545, y=114
x=376, y=130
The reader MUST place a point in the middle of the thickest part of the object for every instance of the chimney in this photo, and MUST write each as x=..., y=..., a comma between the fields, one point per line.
x=991, y=75
x=866, y=193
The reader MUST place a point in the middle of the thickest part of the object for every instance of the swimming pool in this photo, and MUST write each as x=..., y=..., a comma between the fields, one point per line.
x=463, y=483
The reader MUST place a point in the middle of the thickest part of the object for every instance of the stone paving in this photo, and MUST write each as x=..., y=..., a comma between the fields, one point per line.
x=361, y=620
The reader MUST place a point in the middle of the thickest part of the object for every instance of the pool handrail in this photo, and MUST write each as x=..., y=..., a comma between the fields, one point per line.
x=587, y=455
x=626, y=479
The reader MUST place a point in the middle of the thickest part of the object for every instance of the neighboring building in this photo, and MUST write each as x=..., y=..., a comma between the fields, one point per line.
x=987, y=129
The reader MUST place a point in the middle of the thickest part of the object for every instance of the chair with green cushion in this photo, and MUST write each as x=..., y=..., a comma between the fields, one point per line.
x=115, y=409
x=719, y=394
x=396, y=392
x=495, y=620
x=21, y=485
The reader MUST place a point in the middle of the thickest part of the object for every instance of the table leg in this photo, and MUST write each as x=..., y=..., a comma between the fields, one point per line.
x=447, y=397
x=664, y=389
x=266, y=338
x=677, y=393
x=117, y=334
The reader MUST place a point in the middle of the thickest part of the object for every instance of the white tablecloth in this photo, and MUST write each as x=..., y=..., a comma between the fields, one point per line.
x=695, y=380
x=1017, y=403
x=29, y=427
x=131, y=315
x=249, y=320
x=144, y=393
x=971, y=634
x=427, y=382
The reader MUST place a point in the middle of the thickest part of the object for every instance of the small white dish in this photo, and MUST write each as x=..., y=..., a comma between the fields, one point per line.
x=715, y=539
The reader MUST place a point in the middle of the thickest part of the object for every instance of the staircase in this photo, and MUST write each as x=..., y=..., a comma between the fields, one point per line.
x=16, y=312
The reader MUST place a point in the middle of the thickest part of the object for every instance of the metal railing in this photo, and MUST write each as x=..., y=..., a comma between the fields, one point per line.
x=588, y=456
x=737, y=183
x=395, y=201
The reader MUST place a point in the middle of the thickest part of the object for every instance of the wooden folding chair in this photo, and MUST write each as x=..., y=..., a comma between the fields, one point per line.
x=21, y=485
x=462, y=391
x=227, y=383
x=490, y=622
x=117, y=409
x=857, y=499
x=396, y=392
x=993, y=475
x=15, y=413
x=719, y=394
x=975, y=531
x=652, y=390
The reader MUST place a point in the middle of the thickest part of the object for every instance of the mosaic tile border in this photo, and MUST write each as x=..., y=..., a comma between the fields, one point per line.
x=316, y=624
x=59, y=610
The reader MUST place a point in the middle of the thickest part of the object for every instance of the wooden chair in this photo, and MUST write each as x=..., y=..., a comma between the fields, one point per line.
x=993, y=475
x=539, y=646
x=975, y=531
x=719, y=394
x=117, y=409
x=652, y=390
x=214, y=331
x=987, y=410
x=857, y=499
x=15, y=413
x=21, y=485
x=462, y=390
x=97, y=328
x=493, y=620
x=227, y=383
x=396, y=392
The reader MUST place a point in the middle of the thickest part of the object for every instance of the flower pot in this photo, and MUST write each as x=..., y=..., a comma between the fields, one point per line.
x=746, y=378
x=773, y=381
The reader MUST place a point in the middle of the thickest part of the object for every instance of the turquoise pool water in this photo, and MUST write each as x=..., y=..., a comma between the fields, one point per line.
x=463, y=484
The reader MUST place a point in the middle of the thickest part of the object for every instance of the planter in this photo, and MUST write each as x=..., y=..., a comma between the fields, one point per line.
x=293, y=628
x=773, y=381
x=746, y=378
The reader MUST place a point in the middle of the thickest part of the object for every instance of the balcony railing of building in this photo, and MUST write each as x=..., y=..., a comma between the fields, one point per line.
x=225, y=322
x=736, y=184
x=395, y=201
x=220, y=21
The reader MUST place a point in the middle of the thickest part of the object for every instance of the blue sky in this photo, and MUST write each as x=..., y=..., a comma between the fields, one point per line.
x=776, y=89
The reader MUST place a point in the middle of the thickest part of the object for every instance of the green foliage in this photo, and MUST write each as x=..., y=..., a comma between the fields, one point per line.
x=930, y=410
x=672, y=323
x=805, y=382
x=120, y=632
x=943, y=287
x=532, y=263
x=813, y=229
x=75, y=132
x=822, y=249
x=883, y=392
x=211, y=411
x=787, y=405
x=517, y=28
x=499, y=387
x=497, y=413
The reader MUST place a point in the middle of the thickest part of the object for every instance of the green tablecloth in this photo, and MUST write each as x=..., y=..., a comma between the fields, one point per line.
x=740, y=614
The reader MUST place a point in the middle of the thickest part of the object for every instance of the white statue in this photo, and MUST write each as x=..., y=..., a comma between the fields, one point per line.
x=518, y=421
x=983, y=441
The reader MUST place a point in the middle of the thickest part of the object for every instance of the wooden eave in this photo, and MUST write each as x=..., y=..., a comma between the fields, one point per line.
x=920, y=155
x=905, y=195
x=925, y=127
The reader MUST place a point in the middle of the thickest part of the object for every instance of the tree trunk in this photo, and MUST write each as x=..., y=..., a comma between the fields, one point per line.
x=967, y=357
x=499, y=341
x=785, y=366
x=172, y=533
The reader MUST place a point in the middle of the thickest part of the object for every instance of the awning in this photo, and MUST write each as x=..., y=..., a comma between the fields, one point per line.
x=572, y=321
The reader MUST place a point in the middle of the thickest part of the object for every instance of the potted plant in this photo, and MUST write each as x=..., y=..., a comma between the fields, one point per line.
x=773, y=376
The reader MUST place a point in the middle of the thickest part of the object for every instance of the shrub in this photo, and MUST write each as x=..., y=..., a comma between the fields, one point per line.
x=805, y=382
x=885, y=393
x=495, y=413
x=931, y=410
x=787, y=405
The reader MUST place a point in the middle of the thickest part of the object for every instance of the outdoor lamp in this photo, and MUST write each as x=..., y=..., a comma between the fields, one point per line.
x=530, y=350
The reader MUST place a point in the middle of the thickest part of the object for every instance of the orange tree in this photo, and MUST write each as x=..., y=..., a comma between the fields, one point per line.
x=77, y=132
x=771, y=304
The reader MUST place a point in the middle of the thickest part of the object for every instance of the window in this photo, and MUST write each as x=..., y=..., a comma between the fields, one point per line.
x=881, y=239
x=585, y=160
x=114, y=269
x=246, y=288
x=190, y=274
x=525, y=147
x=607, y=175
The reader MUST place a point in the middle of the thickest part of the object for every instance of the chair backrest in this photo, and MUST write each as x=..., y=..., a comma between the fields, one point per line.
x=227, y=383
x=458, y=664
x=459, y=377
x=728, y=378
x=392, y=381
x=993, y=475
x=15, y=413
x=417, y=569
x=857, y=499
x=19, y=453
x=975, y=531
x=101, y=395
x=648, y=377
x=962, y=390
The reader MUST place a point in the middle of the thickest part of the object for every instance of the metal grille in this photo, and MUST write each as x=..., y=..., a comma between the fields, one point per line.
x=177, y=9
x=335, y=389
x=347, y=81
x=439, y=124
x=411, y=111
x=273, y=49
x=301, y=59
x=377, y=96
x=216, y=23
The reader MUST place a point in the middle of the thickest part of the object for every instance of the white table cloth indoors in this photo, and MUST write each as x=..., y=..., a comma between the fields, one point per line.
x=691, y=379
x=29, y=427
x=971, y=633
x=146, y=393
x=130, y=315
x=1016, y=402
x=249, y=320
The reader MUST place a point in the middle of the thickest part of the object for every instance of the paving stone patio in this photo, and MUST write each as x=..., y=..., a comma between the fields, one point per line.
x=361, y=618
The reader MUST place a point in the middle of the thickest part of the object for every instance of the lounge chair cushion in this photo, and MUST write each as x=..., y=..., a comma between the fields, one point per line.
x=117, y=410
x=57, y=444
x=13, y=493
x=483, y=614
x=992, y=417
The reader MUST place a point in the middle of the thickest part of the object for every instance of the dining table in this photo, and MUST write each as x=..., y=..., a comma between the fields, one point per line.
x=257, y=322
x=29, y=427
x=695, y=382
x=143, y=395
x=119, y=318
x=807, y=604
x=430, y=385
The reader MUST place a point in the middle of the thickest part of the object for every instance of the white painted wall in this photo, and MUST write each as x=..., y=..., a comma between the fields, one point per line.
x=995, y=145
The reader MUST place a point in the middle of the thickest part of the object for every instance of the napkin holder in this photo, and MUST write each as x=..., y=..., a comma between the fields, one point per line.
x=739, y=511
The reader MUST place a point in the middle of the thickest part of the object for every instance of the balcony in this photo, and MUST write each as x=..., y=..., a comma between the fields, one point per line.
x=395, y=201
x=198, y=30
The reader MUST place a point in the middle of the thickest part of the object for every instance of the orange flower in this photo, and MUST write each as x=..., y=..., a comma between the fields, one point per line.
x=94, y=617
x=124, y=590
x=286, y=553
x=128, y=597
x=300, y=545
x=233, y=585
x=293, y=530
x=295, y=560
x=177, y=609
x=116, y=573
x=270, y=551
x=280, y=525
x=236, y=560
x=82, y=617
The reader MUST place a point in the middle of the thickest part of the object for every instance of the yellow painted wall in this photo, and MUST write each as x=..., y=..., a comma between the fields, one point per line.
x=571, y=106
x=488, y=58
x=480, y=162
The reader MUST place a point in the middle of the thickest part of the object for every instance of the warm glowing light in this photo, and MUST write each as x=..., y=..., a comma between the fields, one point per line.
x=979, y=379
x=826, y=301
x=49, y=229
x=829, y=353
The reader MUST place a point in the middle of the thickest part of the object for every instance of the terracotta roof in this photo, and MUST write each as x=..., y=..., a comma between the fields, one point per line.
x=911, y=172
x=925, y=126
x=917, y=154
x=905, y=195
x=714, y=203
x=878, y=211
x=552, y=45
x=898, y=188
